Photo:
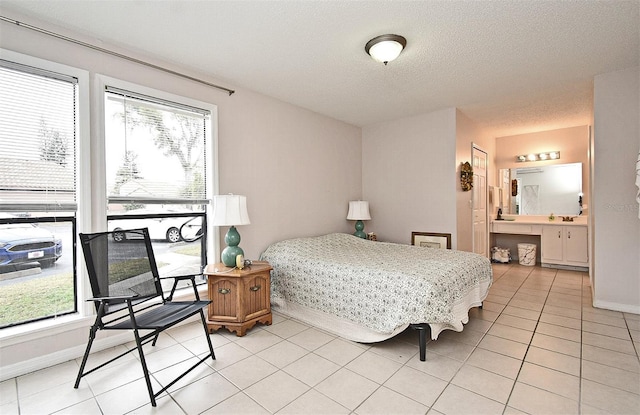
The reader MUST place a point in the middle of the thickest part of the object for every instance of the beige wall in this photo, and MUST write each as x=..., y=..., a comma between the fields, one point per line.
x=409, y=175
x=467, y=134
x=297, y=168
x=573, y=144
x=614, y=207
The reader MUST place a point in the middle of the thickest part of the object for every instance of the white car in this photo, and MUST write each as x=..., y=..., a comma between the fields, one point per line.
x=172, y=229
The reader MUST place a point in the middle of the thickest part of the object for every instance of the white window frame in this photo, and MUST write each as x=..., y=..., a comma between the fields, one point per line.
x=91, y=185
x=99, y=167
x=16, y=334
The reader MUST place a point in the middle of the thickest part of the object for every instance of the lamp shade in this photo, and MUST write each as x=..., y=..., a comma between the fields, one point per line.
x=230, y=210
x=358, y=210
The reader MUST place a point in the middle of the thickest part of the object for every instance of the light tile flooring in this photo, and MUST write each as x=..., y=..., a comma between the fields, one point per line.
x=537, y=347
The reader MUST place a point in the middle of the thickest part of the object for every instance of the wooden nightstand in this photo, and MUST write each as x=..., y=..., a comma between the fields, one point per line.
x=239, y=298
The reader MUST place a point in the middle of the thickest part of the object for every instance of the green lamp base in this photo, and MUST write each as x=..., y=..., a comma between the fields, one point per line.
x=359, y=230
x=229, y=254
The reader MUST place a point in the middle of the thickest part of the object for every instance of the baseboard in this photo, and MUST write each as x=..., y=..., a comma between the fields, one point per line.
x=625, y=308
x=42, y=362
x=565, y=267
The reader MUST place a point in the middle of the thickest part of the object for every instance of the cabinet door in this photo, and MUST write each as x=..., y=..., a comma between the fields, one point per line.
x=576, y=244
x=224, y=299
x=257, y=298
x=551, y=241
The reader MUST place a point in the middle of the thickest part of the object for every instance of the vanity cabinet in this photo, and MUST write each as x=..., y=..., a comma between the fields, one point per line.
x=565, y=245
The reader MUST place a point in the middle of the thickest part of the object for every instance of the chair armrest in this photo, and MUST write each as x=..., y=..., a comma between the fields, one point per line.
x=181, y=277
x=110, y=298
x=178, y=278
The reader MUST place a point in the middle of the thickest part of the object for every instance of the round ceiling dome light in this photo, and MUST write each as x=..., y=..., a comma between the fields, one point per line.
x=385, y=48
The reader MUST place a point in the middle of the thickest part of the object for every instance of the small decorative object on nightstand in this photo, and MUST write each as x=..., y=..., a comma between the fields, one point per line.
x=240, y=298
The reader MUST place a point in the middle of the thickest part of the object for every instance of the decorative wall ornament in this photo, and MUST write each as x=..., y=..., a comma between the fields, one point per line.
x=466, y=176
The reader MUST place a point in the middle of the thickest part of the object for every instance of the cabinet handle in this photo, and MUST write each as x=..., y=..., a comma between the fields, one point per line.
x=255, y=288
x=224, y=291
x=569, y=235
x=558, y=234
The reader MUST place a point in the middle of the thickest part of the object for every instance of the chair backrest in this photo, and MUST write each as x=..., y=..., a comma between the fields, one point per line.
x=121, y=263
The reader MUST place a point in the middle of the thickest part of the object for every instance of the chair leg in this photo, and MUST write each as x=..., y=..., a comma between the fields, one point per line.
x=144, y=366
x=206, y=333
x=92, y=336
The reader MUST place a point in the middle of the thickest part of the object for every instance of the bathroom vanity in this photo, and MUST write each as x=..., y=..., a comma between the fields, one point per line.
x=560, y=244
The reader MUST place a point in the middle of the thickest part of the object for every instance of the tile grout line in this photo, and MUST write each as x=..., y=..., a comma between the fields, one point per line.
x=515, y=381
x=467, y=358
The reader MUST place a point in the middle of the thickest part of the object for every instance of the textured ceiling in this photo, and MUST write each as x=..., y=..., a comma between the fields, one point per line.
x=511, y=66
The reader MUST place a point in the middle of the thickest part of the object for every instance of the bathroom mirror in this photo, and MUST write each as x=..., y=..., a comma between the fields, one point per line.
x=541, y=190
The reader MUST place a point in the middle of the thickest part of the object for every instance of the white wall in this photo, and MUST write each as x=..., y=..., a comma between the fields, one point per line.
x=409, y=176
x=467, y=134
x=614, y=208
x=297, y=168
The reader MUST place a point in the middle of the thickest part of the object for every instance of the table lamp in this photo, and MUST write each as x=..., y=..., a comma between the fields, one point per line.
x=230, y=210
x=359, y=211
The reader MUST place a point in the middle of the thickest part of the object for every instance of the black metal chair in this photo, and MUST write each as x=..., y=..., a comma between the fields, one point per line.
x=127, y=294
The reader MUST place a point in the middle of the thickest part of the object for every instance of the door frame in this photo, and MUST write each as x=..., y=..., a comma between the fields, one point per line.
x=476, y=147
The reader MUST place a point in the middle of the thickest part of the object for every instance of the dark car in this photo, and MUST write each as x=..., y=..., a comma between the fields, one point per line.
x=26, y=242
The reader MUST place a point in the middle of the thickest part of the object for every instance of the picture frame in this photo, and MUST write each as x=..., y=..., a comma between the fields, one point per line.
x=431, y=240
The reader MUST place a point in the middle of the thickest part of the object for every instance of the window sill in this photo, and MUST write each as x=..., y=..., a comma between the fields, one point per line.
x=32, y=331
x=45, y=328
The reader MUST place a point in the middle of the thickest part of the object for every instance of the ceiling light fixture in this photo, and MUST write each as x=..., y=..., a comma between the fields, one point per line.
x=385, y=48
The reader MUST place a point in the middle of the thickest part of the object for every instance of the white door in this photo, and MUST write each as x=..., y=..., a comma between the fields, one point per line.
x=479, y=202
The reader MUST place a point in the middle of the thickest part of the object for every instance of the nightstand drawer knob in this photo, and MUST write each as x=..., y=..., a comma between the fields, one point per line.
x=254, y=288
x=224, y=291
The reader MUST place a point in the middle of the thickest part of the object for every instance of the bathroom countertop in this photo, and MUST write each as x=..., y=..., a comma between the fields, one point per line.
x=540, y=220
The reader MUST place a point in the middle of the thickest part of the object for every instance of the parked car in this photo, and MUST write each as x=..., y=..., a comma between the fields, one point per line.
x=159, y=228
x=26, y=242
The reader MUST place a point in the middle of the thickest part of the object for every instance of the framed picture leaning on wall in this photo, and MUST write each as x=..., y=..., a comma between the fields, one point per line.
x=431, y=240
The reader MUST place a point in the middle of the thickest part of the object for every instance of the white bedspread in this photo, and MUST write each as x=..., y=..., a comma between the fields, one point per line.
x=367, y=291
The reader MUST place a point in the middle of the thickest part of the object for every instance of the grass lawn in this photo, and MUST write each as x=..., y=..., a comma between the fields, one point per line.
x=189, y=249
x=36, y=298
x=49, y=296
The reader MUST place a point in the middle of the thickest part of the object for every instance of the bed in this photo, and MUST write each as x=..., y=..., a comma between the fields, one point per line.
x=368, y=291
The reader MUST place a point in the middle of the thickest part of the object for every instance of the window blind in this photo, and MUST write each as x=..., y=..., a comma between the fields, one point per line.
x=38, y=132
x=155, y=150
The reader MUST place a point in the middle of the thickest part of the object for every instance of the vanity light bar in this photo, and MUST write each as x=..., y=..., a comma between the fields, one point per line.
x=549, y=155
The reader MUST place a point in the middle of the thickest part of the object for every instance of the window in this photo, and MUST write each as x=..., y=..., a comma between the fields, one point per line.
x=156, y=162
x=39, y=124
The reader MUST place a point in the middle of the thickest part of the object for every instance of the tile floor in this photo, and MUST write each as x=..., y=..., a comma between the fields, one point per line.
x=537, y=347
